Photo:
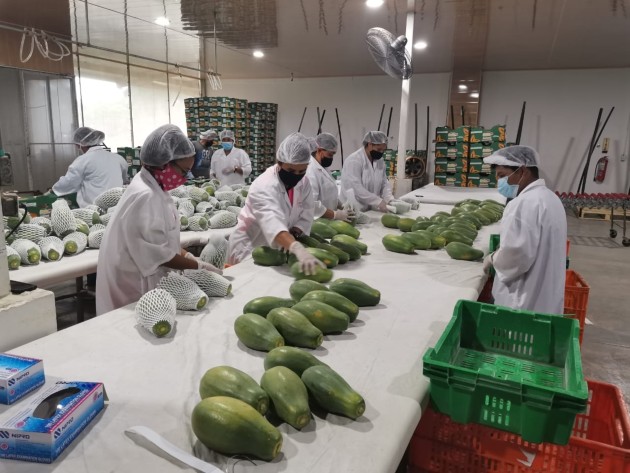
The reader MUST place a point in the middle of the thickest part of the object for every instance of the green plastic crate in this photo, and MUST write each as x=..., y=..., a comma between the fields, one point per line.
x=513, y=370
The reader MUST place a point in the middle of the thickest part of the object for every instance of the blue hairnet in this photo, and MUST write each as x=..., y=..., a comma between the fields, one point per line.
x=326, y=141
x=375, y=137
x=227, y=134
x=514, y=156
x=86, y=136
x=294, y=149
x=165, y=144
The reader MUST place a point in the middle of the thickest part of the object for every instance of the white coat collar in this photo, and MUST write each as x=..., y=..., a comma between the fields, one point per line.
x=533, y=185
x=320, y=168
x=94, y=148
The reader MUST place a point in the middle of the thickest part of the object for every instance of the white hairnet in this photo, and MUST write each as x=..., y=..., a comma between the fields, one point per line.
x=227, y=134
x=209, y=135
x=312, y=142
x=294, y=149
x=326, y=141
x=165, y=144
x=375, y=137
x=86, y=136
x=514, y=156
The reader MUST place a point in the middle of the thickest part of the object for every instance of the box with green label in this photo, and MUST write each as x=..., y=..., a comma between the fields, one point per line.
x=483, y=181
x=483, y=150
x=450, y=180
x=445, y=134
x=445, y=150
x=477, y=166
x=458, y=165
x=494, y=134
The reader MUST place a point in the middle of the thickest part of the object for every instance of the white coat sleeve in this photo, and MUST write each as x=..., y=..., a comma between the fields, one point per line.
x=387, y=189
x=246, y=164
x=351, y=179
x=73, y=179
x=125, y=174
x=319, y=209
x=305, y=221
x=520, y=238
x=146, y=226
x=268, y=213
x=213, y=170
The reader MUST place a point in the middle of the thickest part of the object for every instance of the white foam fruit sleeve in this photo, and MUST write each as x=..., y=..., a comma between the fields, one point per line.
x=197, y=223
x=43, y=222
x=75, y=243
x=186, y=208
x=155, y=311
x=96, y=238
x=213, y=284
x=223, y=219
x=30, y=231
x=29, y=252
x=52, y=248
x=215, y=251
x=187, y=294
x=198, y=194
x=109, y=198
x=62, y=219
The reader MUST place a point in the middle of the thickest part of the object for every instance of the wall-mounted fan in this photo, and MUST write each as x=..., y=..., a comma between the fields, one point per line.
x=389, y=53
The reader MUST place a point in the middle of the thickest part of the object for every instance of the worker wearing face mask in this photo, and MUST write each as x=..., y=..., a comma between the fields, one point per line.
x=94, y=171
x=230, y=165
x=141, y=243
x=203, y=153
x=325, y=193
x=279, y=207
x=530, y=263
x=364, y=172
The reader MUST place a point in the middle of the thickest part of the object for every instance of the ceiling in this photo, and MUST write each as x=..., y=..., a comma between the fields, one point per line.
x=324, y=38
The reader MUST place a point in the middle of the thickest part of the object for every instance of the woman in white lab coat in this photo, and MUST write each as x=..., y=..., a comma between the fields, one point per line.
x=94, y=171
x=230, y=165
x=141, y=243
x=364, y=173
x=325, y=193
x=279, y=206
x=530, y=263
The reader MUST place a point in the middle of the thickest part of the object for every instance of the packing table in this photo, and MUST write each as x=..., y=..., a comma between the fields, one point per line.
x=154, y=382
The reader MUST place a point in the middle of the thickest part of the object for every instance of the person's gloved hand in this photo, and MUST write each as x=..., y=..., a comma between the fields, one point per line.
x=488, y=263
x=199, y=239
x=308, y=263
x=203, y=265
x=345, y=215
x=382, y=207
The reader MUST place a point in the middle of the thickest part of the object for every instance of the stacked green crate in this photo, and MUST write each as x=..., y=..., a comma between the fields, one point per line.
x=484, y=142
x=262, y=122
x=132, y=155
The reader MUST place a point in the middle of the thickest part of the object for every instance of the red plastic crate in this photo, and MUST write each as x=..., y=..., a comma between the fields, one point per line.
x=600, y=443
x=576, y=298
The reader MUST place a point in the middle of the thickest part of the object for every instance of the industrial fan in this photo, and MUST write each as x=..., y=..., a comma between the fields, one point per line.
x=389, y=53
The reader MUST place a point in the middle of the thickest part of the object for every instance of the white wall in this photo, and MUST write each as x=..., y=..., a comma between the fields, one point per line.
x=562, y=107
x=358, y=100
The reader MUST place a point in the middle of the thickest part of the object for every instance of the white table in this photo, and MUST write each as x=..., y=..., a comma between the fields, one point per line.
x=432, y=194
x=154, y=382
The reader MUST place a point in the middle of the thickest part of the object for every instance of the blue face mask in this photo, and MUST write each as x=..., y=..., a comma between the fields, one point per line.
x=227, y=145
x=506, y=189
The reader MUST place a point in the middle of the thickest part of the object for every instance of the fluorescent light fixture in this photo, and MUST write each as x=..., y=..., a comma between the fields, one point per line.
x=162, y=21
x=475, y=95
x=463, y=87
x=421, y=45
x=258, y=54
x=374, y=3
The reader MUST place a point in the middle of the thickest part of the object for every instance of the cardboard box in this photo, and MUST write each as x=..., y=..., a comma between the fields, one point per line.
x=494, y=134
x=484, y=181
x=449, y=166
x=19, y=376
x=445, y=150
x=445, y=134
x=30, y=435
x=450, y=180
x=477, y=166
x=483, y=150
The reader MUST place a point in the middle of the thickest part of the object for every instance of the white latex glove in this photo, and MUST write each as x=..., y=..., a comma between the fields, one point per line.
x=382, y=207
x=345, y=215
x=308, y=263
x=488, y=263
x=203, y=264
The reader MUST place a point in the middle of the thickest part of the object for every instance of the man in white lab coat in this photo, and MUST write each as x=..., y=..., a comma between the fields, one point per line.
x=364, y=173
x=530, y=263
x=230, y=165
x=325, y=193
x=95, y=171
x=279, y=207
x=141, y=243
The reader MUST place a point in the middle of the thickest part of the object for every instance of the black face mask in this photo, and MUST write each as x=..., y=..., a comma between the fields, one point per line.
x=326, y=161
x=289, y=179
x=208, y=144
x=376, y=155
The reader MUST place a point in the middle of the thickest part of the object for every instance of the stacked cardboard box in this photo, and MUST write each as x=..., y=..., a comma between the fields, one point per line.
x=253, y=123
x=459, y=155
x=132, y=155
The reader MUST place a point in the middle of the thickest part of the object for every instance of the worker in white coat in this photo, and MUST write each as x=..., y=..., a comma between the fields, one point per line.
x=364, y=173
x=325, y=193
x=94, y=171
x=279, y=207
x=230, y=165
x=141, y=243
x=530, y=263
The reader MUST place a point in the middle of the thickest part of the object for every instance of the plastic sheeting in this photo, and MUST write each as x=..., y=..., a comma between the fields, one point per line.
x=432, y=194
x=154, y=382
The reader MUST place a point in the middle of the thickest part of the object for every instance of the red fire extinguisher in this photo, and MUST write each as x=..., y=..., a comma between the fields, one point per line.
x=600, y=169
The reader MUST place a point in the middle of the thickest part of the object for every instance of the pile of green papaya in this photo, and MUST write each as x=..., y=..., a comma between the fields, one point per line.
x=333, y=242
x=455, y=231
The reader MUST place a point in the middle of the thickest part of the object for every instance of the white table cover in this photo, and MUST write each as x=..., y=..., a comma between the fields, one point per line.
x=432, y=194
x=154, y=382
